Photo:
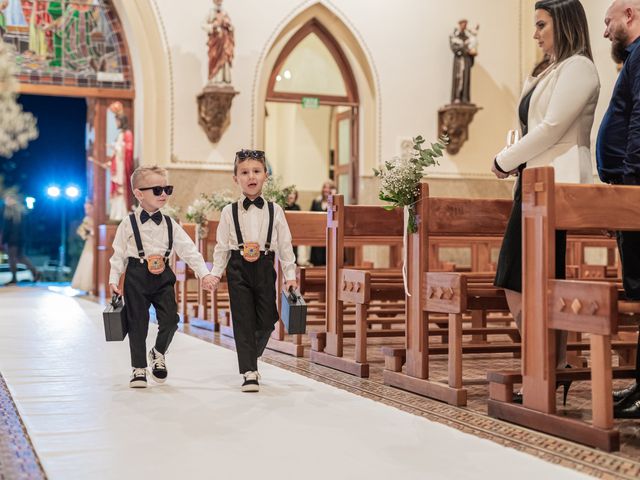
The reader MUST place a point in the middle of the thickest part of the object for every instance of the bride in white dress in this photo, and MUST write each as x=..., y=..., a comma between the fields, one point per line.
x=83, y=276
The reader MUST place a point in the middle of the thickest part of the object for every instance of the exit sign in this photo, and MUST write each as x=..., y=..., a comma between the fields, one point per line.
x=310, y=102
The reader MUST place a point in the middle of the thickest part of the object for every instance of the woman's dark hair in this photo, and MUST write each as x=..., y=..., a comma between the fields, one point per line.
x=570, y=28
x=124, y=122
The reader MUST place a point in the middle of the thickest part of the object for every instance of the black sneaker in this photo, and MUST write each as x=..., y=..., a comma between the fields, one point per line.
x=158, y=366
x=138, y=378
x=251, y=382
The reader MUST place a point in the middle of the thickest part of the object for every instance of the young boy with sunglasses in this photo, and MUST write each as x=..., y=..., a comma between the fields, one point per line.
x=250, y=233
x=141, y=249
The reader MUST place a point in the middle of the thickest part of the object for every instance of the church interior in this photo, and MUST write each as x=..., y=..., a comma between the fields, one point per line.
x=382, y=127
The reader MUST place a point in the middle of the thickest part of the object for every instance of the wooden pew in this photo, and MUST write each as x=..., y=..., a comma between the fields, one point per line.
x=309, y=229
x=572, y=305
x=453, y=294
x=183, y=275
x=480, y=250
x=210, y=305
x=355, y=225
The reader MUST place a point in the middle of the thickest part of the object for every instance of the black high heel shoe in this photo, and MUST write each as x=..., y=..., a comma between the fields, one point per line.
x=566, y=385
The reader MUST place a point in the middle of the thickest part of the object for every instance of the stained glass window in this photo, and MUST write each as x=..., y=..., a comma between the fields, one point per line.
x=66, y=42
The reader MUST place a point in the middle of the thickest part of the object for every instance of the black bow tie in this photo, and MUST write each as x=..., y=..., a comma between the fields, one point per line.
x=156, y=217
x=258, y=202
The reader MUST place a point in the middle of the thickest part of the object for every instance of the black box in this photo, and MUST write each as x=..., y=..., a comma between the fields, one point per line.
x=115, y=320
x=294, y=312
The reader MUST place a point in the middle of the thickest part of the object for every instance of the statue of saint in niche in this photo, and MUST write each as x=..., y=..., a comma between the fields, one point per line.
x=464, y=44
x=221, y=44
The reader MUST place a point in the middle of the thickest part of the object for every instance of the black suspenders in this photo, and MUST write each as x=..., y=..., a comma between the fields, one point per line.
x=236, y=222
x=136, y=234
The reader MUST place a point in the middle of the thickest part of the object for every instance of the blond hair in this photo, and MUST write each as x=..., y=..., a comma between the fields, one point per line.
x=143, y=171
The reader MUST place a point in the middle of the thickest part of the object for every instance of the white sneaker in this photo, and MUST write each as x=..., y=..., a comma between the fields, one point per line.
x=158, y=366
x=251, y=382
x=138, y=378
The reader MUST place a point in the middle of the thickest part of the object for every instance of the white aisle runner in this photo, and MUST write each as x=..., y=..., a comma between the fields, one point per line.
x=70, y=387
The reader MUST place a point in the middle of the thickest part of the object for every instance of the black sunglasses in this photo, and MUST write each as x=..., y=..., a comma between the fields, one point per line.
x=244, y=154
x=157, y=190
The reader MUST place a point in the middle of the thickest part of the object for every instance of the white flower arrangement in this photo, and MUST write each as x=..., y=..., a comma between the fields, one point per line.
x=171, y=211
x=197, y=211
x=273, y=191
x=400, y=177
x=219, y=200
x=17, y=128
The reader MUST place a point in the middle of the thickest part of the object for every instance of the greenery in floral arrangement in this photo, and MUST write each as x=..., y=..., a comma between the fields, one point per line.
x=197, y=211
x=219, y=200
x=273, y=191
x=400, y=177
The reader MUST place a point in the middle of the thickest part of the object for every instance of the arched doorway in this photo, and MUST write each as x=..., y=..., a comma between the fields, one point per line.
x=77, y=48
x=312, y=113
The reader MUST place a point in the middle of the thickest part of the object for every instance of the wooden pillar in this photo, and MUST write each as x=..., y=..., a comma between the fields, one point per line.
x=335, y=262
x=416, y=322
x=538, y=266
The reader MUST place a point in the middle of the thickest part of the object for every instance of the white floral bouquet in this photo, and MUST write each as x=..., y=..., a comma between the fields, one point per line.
x=171, y=211
x=197, y=211
x=17, y=128
x=219, y=200
x=273, y=191
x=400, y=178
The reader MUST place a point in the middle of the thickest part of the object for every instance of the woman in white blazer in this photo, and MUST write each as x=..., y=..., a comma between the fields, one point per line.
x=556, y=115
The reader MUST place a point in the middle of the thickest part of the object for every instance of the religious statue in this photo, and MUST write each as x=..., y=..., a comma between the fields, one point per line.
x=464, y=44
x=454, y=118
x=121, y=166
x=221, y=44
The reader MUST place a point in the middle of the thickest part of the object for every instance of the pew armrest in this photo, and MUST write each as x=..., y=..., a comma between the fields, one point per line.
x=354, y=286
x=445, y=292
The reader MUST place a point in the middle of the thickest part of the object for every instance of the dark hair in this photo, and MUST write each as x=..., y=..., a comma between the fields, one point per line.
x=570, y=28
x=123, y=120
x=541, y=66
x=244, y=155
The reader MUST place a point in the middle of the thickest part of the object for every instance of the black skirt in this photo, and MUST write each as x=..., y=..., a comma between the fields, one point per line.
x=509, y=269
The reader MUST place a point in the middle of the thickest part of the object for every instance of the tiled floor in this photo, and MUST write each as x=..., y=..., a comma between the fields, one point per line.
x=18, y=460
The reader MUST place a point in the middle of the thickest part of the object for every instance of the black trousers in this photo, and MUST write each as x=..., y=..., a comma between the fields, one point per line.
x=141, y=290
x=16, y=255
x=629, y=248
x=252, y=294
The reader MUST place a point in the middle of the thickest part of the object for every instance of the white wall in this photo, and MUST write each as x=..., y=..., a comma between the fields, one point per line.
x=601, y=48
x=407, y=43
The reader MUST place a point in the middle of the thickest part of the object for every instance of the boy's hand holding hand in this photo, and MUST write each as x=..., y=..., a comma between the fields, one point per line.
x=115, y=289
x=210, y=282
x=289, y=284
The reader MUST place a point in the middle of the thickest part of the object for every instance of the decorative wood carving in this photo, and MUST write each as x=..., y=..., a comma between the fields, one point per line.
x=214, y=104
x=453, y=121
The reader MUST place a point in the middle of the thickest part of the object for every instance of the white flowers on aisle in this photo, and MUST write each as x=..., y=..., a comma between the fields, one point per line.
x=17, y=128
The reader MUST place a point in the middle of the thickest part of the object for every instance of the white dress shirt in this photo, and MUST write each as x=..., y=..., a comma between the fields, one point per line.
x=254, y=226
x=155, y=241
